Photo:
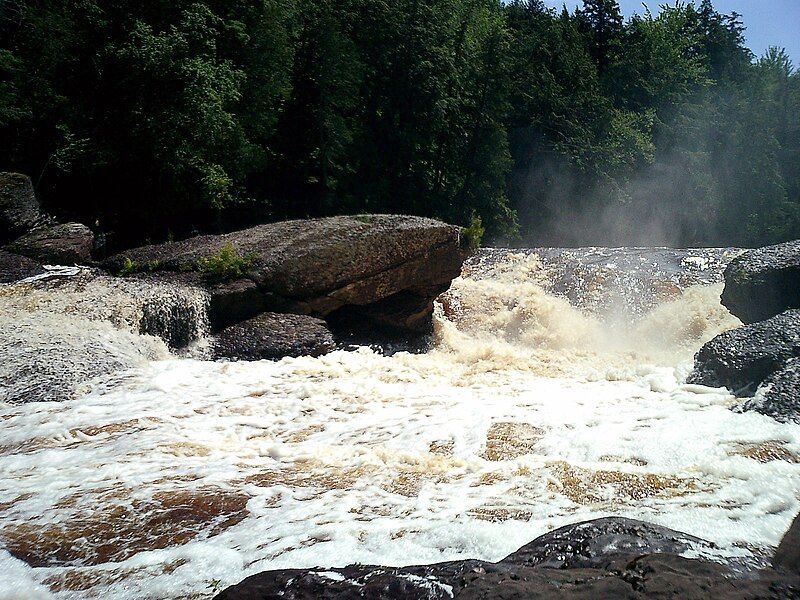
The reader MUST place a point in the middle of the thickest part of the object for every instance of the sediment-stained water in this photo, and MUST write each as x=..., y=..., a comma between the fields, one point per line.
x=553, y=392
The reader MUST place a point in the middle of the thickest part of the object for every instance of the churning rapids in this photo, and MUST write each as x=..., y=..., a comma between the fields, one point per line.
x=553, y=393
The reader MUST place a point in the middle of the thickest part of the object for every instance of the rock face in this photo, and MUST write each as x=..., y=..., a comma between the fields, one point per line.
x=272, y=336
x=787, y=556
x=779, y=395
x=62, y=244
x=14, y=267
x=19, y=209
x=741, y=359
x=764, y=282
x=588, y=544
x=607, y=558
x=319, y=266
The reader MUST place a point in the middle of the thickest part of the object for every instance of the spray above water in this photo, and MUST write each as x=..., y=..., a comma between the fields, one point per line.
x=517, y=310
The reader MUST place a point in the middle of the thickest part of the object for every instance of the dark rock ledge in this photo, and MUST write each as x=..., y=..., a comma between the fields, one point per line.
x=760, y=361
x=764, y=282
x=607, y=558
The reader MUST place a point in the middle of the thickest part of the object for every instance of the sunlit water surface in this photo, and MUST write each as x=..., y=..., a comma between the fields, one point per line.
x=554, y=393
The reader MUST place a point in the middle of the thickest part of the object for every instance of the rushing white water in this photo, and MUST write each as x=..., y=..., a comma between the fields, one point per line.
x=178, y=477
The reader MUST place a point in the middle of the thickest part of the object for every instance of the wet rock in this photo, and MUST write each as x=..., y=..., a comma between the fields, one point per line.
x=14, y=267
x=61, y=244
x=741, y=359
x=318, y=266
x=233, y=302
x=607, y=558
x=779, y=395
x=19, y=209
x=591, y=543
x=764, y=282
x=273, y=336
x=787, y=556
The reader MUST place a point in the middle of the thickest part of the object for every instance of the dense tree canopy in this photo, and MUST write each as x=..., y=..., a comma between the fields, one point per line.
x=150, y=119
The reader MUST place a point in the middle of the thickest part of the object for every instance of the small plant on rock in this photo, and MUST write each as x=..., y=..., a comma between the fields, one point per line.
x=474, y=233
x=128, y=268
x=226, y=264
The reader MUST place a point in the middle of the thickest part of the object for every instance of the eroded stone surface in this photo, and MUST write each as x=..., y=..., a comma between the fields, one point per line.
x=272, y=336
x=764, y=282
x=741, y=359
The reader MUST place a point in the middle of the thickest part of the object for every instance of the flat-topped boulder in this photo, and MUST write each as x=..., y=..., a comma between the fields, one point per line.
x=319, y=266
x=19, y=208
x=764, y=282
x=605, y=558
x=57, y=244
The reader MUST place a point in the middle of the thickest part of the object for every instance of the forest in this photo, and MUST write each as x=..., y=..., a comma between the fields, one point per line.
x=156, y=120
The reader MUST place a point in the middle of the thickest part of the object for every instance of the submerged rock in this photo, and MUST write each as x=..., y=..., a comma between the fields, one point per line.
x=764, y=282
x=741, y=359
x=19, y=209
x=319, y=266
x=606, y=558
x=779, y=395
x=14, y=267
x=273, y=336
x=61, y=244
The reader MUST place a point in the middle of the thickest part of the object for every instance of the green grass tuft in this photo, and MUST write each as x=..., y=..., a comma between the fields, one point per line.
x=226, y=264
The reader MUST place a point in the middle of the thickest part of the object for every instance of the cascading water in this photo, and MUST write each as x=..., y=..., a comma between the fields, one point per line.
x=93, y=325
x=554, y=393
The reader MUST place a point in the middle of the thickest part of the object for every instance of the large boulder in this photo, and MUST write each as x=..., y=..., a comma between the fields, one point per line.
x=273, y=336
x=627, y=559
x=60, y=244
x=14, y=267
x=319, y=266
x=590, y=543
x=779, y=395
x=764, y=282
x=19, y=209
x=741, y=359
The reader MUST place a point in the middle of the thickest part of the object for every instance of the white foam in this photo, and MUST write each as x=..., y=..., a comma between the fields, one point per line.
x=356, y=457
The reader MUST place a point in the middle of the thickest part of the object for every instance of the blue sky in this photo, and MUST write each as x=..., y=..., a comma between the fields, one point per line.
x=768, y=22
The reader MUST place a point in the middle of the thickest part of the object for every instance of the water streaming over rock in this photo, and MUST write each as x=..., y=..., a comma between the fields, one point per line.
x=554, y=392
x=66, y=327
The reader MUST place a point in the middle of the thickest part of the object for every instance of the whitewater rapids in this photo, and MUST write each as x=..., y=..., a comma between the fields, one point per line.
x=553, y=393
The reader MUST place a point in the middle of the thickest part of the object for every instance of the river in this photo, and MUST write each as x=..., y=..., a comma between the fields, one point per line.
x=553, y=392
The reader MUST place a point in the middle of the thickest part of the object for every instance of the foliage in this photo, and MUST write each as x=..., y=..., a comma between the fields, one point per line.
x=226, y=264
x=153, y=118
x=474, y=233
x=128, y=268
